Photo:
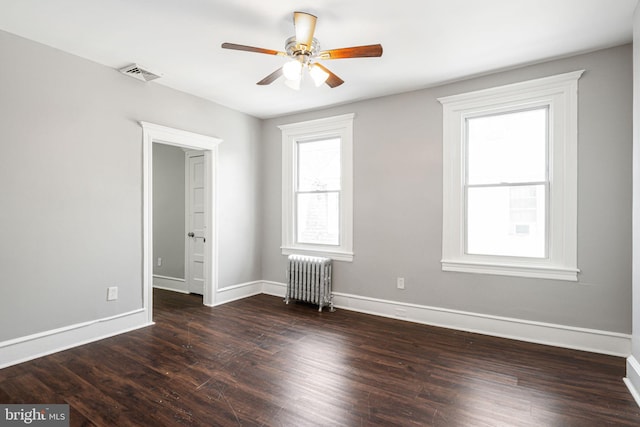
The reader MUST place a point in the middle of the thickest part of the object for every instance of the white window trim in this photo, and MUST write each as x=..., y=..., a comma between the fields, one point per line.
x=560, y=92
x=340, y=126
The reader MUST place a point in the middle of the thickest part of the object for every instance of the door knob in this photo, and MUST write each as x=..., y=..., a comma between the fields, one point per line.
x=191, y=234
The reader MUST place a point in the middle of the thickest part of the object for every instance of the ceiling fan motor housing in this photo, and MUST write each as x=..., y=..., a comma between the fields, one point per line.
x=301, y=51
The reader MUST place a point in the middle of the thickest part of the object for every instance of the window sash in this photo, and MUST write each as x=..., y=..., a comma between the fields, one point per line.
x=297, y=214
x=297, y=191
x=502, y=184
x=544, y=184
x=299, y=142
x=506, y=111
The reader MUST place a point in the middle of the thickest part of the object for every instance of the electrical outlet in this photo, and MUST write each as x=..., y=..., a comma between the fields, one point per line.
x=112, y=293
x=400, y=282
x=159, y=262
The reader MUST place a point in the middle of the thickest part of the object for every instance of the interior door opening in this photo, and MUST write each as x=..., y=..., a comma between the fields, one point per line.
x=157, y=136
x=179, y=219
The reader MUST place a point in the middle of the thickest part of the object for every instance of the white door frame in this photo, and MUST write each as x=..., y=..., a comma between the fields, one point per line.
x=152, y=133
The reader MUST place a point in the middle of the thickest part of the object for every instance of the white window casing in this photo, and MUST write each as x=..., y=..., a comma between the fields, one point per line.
x=314, y=130
x=559, y=94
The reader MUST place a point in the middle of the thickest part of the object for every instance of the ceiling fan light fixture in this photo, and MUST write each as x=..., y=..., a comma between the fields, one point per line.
x=318, y=75
x=303, y=51
x=292, y=70
x=293, y=84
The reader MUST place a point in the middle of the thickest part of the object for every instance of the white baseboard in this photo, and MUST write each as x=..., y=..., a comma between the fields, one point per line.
x=632, y=380
x=236, y=292
x=170, y=284
x=41, y=344
x=33, y=346
x=274, y=288
x=592, y=340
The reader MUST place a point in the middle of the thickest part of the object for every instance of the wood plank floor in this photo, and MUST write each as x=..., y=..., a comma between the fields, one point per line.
x=259, y=362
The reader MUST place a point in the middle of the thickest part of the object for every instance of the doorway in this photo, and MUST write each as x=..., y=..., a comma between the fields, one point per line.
x=179, y=219
x=208, y=146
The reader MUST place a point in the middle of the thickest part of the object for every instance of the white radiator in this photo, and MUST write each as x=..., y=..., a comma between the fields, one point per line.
x=309, y=280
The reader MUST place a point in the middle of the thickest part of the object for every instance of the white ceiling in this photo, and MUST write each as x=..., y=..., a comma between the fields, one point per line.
x=426, y=42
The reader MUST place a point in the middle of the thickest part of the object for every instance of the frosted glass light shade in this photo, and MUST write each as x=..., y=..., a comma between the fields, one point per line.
x=292, y=70
x=318, y=75
x=293, y=84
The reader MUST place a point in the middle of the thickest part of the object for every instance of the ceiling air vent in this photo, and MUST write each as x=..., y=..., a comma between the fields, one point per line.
x=139, y=72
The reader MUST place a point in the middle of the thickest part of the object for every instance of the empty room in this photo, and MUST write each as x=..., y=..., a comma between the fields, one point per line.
x=285, y=213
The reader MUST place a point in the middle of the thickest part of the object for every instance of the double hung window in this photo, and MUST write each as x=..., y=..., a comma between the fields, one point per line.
x=510, y=179
x=507, y=184
x=317, y=192
x=317, y=187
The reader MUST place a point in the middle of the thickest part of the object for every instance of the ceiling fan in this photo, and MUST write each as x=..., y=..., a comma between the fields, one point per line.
x=304, y=52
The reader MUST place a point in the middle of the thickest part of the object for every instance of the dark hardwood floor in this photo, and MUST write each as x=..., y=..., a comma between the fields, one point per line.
x=259, y=362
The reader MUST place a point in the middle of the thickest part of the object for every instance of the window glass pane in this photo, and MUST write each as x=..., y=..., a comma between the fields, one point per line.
x=319, y=165
x=507, y=221
x=318, y=218
x=507, y=148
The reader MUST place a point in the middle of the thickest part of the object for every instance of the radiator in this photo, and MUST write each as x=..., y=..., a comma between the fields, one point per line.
x=309, y=280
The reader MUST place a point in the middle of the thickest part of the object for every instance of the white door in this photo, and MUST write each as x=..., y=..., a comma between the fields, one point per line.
x=195, y=222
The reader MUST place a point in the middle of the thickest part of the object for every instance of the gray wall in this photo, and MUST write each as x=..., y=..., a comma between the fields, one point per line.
x=168, y=210
x=398, y=203
x=635, y=341
x=71, y=185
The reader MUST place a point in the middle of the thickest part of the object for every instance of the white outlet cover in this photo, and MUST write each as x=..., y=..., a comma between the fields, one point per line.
x=112, y=293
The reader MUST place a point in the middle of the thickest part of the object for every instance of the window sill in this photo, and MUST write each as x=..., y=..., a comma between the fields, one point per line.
x=336, y=255
x=515, y=270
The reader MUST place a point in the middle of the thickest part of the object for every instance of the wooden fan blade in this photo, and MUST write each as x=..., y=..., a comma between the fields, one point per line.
x=305, y=25
x=372, y=50
x=271, y=77
x=332, y=80
x=252, y=49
